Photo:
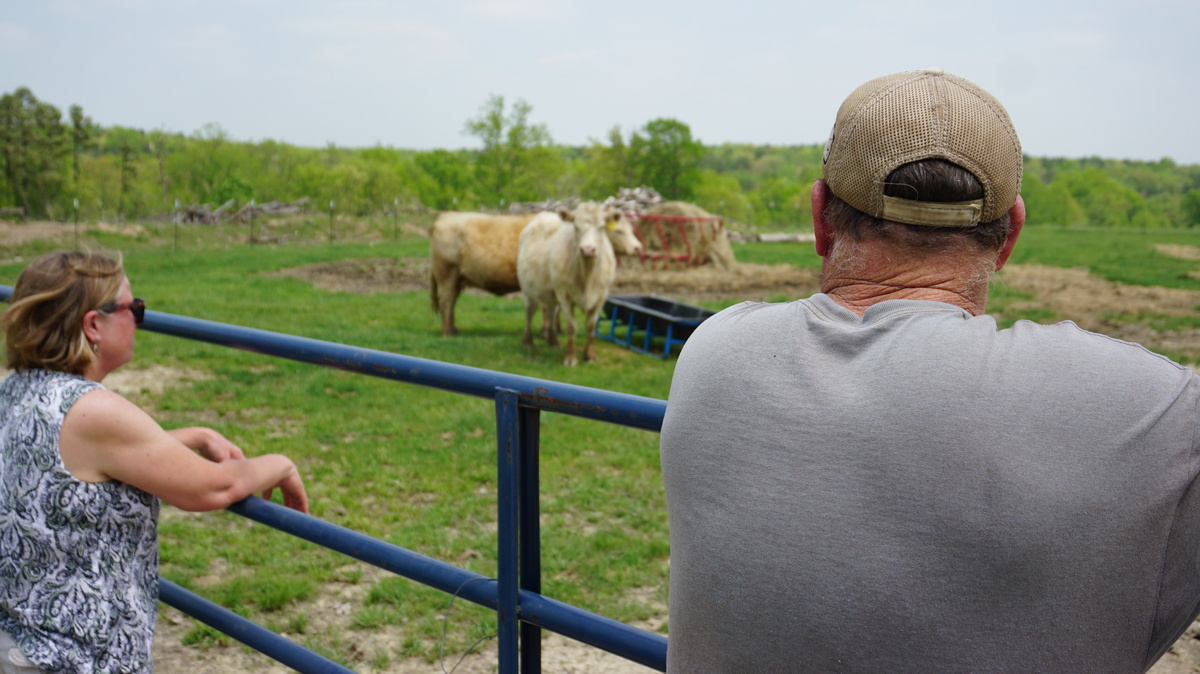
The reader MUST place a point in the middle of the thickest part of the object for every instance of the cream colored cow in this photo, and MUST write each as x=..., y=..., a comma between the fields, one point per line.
x=563, y=264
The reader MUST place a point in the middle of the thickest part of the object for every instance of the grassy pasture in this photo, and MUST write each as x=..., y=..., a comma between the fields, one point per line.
x=415, y=466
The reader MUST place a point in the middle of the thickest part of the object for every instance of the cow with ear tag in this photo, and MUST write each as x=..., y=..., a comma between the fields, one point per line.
x=564, y=261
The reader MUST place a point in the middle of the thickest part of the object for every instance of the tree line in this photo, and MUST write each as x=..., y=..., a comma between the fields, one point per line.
x=57, y=166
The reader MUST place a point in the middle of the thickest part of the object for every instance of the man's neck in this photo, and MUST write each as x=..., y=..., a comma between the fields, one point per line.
x=876, y=275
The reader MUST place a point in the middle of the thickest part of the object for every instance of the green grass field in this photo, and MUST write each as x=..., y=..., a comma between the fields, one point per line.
x=415, y=466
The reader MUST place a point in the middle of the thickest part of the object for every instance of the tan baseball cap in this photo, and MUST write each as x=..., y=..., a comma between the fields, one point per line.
x=923, y=114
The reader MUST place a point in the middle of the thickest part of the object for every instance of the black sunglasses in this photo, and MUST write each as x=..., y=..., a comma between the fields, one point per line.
x=137, y=307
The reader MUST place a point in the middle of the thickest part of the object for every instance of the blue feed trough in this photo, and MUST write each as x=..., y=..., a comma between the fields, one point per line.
x=641, y=322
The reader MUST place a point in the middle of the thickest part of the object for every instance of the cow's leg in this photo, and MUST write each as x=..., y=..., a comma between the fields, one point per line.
x=447, y=284
x=548, y=332
x=571, y=359
x=550, y=324
x=530, y=309
x=589, y=347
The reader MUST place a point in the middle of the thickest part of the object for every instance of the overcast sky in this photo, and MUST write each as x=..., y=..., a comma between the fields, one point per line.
x=1114, y=79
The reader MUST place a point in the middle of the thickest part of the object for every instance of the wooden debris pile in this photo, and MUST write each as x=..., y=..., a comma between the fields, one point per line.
x=521, y=207
x=203, y=215
x=247, y=211
x=634, y=199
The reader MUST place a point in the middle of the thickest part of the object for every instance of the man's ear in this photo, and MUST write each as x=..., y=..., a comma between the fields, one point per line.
x=1016, y=216
x=820, y=197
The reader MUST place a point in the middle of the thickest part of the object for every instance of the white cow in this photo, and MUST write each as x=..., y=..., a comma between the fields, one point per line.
x=563, y=264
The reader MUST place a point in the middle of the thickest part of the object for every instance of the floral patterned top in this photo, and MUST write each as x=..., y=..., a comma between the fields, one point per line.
x=78, y=561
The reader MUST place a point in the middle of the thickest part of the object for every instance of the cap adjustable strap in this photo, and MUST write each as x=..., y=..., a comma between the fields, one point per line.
x=932, y=213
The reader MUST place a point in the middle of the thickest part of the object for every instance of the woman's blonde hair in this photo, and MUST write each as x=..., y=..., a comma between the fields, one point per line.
x=43, y=325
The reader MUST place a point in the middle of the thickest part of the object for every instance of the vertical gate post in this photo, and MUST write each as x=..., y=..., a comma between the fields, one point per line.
x=529, y=512
x=519, y=530
x=507, y=508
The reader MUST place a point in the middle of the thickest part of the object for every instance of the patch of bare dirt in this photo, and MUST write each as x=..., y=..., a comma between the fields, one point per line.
x=1095, y=304
x=367, y=275
x=757, y=282
x=1178, y=251
x=332, y=611
x=16, y=233
x=744, y=281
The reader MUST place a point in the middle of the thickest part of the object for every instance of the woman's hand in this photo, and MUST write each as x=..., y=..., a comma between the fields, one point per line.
x=211, y=444
x=292, y=489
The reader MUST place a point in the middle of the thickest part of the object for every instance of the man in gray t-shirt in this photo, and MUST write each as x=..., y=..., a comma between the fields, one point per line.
x=877, y=478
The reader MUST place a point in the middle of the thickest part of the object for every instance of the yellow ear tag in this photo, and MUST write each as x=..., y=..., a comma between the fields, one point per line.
x=612, y=225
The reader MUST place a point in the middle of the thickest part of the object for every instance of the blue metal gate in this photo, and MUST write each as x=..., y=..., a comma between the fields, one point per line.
x=515, y=594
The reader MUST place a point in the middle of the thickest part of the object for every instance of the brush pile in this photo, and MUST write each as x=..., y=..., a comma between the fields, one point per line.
x=635, y=200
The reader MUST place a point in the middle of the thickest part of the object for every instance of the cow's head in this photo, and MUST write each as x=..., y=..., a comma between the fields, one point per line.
x=591, y=224
x=622, y=235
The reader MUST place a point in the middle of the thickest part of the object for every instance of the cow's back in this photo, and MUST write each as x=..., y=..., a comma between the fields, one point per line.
x=482, y=246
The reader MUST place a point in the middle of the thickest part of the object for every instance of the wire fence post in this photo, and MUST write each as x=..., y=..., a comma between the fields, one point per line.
x=331, y=221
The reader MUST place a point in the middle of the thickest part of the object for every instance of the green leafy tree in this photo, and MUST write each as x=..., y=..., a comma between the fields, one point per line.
x=667, y=158
x=518, y=161
x=232, y=187
x=443, y=179
x=1050, y=204
x=127, y=156
x=1191, y=208
x=783, y=203
x=159, y=143
x=208, y=175
x=81, y=138
x=274, y=169
x=32, y=142
x=1107, y=202
x=721, y=194
x=607, y=168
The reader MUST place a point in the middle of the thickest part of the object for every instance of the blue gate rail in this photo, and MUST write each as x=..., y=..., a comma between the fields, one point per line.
x=253, y=635
x=515, y=594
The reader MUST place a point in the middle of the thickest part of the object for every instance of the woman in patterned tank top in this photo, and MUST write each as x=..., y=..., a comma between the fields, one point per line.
x=82, y=470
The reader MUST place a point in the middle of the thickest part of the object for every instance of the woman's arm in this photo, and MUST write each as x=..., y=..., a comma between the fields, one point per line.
x=211, y=444
x=106, y=437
